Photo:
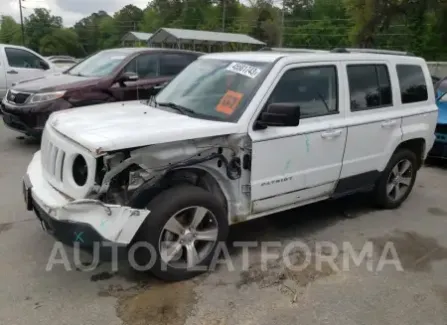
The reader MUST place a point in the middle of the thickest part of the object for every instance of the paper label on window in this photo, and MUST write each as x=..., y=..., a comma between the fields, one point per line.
x=229, y=102
x=244, y=69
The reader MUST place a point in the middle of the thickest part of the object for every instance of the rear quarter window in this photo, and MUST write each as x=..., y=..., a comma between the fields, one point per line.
x=413, y=87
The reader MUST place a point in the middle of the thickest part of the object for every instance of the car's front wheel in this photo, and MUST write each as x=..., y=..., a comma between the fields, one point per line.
x=183, y=229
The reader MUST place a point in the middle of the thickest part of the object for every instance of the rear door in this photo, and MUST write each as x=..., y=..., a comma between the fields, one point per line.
x=22, y=64
x=146, y=65
x=171, y=64
x=374, y=123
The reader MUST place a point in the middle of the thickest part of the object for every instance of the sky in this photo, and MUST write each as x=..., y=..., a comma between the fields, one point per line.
x=71, y=11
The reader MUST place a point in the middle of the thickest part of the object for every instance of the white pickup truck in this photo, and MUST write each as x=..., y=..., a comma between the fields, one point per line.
x=20, y=63
x=235, y=136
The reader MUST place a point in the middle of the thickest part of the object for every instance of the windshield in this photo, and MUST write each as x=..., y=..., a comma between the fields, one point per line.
x=99, y=65
x=215, y=89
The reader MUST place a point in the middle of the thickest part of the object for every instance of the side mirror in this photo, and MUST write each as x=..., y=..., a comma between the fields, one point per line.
x=128, y=76
x=43, y=65
x=279, y=114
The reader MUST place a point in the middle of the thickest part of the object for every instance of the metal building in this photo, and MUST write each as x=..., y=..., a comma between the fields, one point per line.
x=201, y=40
x=135, y=38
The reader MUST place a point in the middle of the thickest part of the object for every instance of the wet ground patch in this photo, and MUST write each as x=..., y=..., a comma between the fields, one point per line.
x=415, y=251
x=5, y=227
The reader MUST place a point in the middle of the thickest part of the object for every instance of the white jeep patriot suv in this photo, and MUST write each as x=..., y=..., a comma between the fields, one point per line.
x=235, y=136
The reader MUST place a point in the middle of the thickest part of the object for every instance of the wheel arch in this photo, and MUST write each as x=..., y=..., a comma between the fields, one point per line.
x=202, y=177
x=417, y=146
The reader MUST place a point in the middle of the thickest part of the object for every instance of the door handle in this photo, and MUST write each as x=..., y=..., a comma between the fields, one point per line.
x=12, y=72
x=389, y=123
x=330, y=134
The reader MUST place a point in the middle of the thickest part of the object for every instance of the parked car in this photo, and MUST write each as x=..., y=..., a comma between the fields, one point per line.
x=108, y=76
x=234, y=137
x=62, y=61
x=19, y=63
x=439, y=149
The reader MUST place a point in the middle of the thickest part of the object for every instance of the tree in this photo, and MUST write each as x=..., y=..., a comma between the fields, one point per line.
x=127, y=19
x=38, y=25
x=61, y=41
x=9, y=31
x=88, y=31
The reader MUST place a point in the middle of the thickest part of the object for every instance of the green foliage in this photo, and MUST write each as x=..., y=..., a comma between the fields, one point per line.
x=419, y=26
x=9, y=31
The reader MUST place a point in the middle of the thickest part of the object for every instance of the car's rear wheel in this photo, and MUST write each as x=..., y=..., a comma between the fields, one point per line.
x=397, y=180
x=183, y=228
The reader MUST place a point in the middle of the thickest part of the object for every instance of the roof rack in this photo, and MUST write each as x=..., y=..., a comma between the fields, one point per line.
x=367, y=50
x=291, y=50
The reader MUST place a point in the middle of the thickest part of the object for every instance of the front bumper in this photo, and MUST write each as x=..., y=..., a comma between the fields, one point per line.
x=82, y=221
x=17, y=123
x=30, y=119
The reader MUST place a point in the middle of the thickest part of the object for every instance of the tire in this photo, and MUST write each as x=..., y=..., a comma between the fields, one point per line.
x=180, y=200
x=387, y=199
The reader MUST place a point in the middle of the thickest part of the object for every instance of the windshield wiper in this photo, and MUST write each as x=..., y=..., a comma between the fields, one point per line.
x=183, y=110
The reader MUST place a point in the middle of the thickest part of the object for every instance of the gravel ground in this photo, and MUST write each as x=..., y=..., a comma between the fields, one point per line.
x=260, y=294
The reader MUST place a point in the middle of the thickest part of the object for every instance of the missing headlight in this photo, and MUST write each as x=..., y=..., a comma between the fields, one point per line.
x=80, y=170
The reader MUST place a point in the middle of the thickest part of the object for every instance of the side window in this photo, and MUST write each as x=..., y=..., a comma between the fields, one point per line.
x=369, y=86
x=144, y=65
x=314, y=89
x=18, y=58
x=413, y=87
x=173, y=64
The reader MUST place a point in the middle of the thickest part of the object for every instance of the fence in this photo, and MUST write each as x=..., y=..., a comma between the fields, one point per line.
x=438, y=69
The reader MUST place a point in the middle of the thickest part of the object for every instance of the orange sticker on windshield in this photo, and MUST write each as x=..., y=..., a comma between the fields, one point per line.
x=229, y=102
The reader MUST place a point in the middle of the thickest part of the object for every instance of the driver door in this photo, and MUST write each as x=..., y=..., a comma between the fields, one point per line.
x=22, y=65
x=293, y=165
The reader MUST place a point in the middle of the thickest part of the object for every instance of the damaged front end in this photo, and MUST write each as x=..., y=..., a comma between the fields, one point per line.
x=124, y=177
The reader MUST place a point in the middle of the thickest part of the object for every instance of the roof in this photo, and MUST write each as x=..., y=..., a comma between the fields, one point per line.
x=136, y=36
x=172, y=35
x=271, y=56
x=292, y=50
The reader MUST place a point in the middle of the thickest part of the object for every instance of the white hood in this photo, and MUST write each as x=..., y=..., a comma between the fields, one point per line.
x=115, y=126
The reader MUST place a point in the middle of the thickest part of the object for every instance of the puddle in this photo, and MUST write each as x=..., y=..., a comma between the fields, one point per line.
x=157, y=304
x=437, y=212
x=415, y=252
x=151, y=302
x=5, y=227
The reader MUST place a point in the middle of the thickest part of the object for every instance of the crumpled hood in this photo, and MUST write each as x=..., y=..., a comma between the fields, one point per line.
x=53, y=82
x=114, y=126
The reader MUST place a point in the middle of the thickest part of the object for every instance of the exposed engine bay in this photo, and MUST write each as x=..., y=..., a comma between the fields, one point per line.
x=122, y=177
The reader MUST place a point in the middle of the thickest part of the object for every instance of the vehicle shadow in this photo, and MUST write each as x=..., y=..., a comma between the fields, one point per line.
x=285, y=226
x=302, y=221
x=436, y=163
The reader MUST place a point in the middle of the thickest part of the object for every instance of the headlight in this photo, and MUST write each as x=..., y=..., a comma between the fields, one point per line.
x=43, y=97
x=80, y=170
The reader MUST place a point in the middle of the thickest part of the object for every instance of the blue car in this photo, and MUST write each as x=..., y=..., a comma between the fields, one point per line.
x=439, y=149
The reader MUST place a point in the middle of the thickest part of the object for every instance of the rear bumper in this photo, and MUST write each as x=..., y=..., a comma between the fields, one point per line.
x=82, y=221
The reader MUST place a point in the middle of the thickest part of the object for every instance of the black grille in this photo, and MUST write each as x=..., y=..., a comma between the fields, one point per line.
x=17, y=98
x=441, y=128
